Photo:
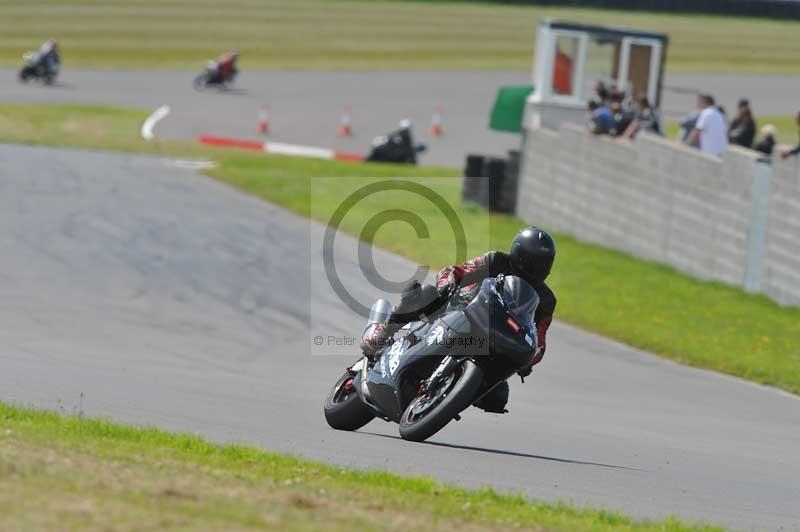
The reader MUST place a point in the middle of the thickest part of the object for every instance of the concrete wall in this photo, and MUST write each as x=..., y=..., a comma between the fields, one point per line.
x=666, y=203
x=781, y=277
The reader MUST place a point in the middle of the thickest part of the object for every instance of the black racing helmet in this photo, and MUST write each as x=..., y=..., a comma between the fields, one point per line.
x=532, y=254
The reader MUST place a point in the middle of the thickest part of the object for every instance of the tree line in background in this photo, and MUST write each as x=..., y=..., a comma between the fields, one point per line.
x=756, y=8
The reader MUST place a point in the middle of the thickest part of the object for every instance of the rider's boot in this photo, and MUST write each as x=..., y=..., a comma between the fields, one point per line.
x=377, y=336
x=495, y=401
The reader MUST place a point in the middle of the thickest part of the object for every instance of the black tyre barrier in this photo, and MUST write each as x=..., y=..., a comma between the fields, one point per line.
x=473, y=176
x=491, y=182
x=496, y=173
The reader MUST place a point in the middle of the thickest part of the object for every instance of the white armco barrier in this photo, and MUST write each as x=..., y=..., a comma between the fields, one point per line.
x=730, y=219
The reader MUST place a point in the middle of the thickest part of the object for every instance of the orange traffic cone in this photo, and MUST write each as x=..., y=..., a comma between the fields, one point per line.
x=263, y=120
x=345, y=124
x=436, y=123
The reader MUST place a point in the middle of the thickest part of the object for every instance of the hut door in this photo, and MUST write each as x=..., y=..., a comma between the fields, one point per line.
x=641, y=60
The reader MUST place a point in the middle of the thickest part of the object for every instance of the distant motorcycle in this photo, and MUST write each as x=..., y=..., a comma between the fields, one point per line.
x=38, y=68
x=212, y=76
x=396, y=147
x=441, y=365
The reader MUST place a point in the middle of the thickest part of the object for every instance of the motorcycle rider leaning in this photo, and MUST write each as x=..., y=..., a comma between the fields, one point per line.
x=48, y=55
x=531, y=258
x=226, y=65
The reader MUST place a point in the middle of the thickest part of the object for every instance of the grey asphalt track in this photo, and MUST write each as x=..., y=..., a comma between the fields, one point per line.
x=133, y=288
x=306, y=106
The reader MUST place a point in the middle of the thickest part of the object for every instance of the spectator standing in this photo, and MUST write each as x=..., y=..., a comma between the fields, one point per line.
x=796, y=150
x=710, y=128
x=742, y=130
x=768, y=140
x=600, y=119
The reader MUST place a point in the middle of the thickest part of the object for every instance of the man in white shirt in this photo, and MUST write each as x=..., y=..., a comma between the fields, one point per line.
x=711, y=128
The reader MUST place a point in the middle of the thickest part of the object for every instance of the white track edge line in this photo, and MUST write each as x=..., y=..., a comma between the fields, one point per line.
x=152, y=120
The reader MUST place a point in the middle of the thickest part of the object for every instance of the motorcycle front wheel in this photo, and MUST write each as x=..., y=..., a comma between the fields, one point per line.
x=344, y=409
x=429, y=413
x=24, y=75
x=200, y=81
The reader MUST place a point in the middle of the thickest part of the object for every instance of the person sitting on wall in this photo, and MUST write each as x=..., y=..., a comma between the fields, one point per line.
x=601, y=91
x=768, y=140
x=742, y=131
x=622, y=114
x=788, y=152
x=646, y=119
x=710, y=129
x=600, y=120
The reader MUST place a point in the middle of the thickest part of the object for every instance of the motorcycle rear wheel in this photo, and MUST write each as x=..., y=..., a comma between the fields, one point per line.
x=421, y=420
x=344, y=409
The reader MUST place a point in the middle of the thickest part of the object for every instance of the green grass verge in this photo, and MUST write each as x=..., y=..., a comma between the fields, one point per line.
x=324, y=34
x=643, y=304
x=60, y=473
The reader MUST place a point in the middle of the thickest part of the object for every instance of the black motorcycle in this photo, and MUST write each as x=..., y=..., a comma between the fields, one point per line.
x=441, y=365
x=396, y=147
x=36, y=67
x=211, y=77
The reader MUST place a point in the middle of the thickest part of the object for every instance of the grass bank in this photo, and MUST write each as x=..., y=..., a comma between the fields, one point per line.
x=643, y=304
x=362, y=34
x=97, y=475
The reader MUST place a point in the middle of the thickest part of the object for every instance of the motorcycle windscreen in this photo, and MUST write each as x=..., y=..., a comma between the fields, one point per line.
x=521, y=299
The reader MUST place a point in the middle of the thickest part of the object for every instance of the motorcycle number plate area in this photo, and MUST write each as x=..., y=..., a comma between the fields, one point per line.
x=390, y=360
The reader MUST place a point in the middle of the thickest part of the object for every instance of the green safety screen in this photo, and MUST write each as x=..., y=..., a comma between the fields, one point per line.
x=509, y=106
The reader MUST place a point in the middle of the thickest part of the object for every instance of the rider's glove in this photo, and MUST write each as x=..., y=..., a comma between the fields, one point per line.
x=447, y=282
x=445, y=290
x=449, y=276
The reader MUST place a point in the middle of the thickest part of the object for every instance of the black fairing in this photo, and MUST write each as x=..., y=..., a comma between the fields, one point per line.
x=480, y=332
x=394, y=379
x=488, y=313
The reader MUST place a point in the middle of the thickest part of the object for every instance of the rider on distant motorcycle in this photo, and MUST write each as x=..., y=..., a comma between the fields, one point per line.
x=48, y=57
x=226, y=66
x=531, y=257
